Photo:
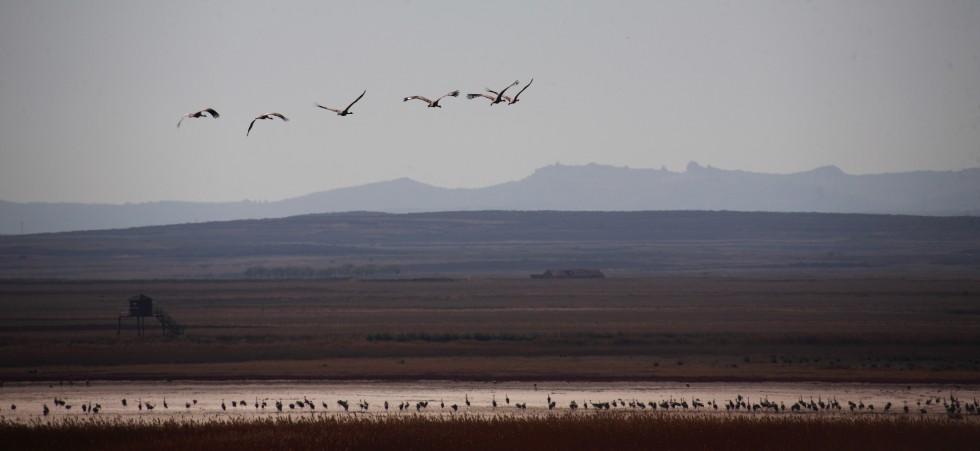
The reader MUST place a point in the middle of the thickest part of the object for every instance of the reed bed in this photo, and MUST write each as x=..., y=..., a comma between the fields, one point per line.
x=601, y=431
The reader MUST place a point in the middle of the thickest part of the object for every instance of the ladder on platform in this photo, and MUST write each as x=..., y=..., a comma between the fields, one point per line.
x=170, y=327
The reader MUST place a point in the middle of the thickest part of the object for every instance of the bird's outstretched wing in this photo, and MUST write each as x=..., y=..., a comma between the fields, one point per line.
x=214, y=113
x=473, y=96
x=515, y=83
x=181, y=120
x=355, y=100
x=519, y=92
x=327, y=108
x=424, y=99
x=449, y=94
x=280, y=116
x=250, y=126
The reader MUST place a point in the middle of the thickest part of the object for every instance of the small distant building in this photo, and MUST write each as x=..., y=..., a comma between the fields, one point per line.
x=570, y=274
x=141, y=307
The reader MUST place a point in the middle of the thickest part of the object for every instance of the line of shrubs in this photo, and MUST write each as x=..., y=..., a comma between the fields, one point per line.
x=307, y=272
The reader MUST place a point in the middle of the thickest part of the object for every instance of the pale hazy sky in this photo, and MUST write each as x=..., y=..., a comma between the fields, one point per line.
x=91, y=91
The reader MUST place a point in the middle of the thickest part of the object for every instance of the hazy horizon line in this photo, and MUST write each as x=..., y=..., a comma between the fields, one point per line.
x=690, y=165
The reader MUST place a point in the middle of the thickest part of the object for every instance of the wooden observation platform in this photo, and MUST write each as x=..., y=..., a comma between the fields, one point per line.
x=141, y=307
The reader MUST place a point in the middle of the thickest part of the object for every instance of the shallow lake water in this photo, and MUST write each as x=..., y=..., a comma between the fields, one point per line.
x=186, y=400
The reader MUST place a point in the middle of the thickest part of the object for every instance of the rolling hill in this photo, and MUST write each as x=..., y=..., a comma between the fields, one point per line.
x=568, y=188
x=509, y=243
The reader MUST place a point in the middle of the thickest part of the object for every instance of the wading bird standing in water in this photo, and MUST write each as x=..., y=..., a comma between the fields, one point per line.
x=432, y=103
x=345, y=111
x=214, y=114
x=265, y=116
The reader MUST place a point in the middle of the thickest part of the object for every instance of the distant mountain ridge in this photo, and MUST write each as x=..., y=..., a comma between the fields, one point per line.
x=590, y=187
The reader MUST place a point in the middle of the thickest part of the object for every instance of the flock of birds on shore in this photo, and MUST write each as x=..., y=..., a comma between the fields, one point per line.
x=952, y=406
x=495, y=97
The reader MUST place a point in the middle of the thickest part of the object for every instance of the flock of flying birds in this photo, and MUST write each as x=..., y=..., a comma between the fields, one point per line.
x=495, y=97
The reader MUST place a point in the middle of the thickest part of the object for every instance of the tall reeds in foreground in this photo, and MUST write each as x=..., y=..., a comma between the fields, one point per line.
x=602, y=431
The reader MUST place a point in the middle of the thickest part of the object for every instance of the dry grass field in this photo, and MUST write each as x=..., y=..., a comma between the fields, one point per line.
x=894, y=329
x=553, y=432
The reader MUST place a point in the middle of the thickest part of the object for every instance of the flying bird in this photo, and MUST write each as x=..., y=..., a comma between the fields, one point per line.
x=497, y=97
x=214, y=114
x=265, y=116
x=345, y=111
x=500, y=95
x=511, y=101
x=432, y=103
